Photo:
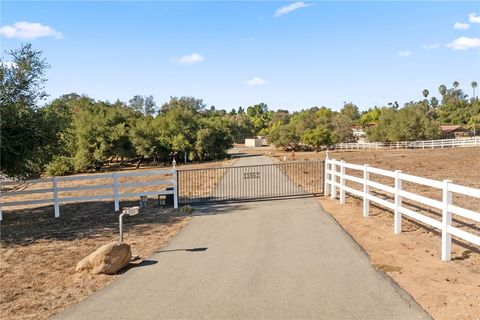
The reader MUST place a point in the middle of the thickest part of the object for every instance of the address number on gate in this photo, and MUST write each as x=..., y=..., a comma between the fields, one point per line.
x=251, y=175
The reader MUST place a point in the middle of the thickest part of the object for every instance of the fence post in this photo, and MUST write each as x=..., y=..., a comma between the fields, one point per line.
x=56, y=206
x=366, y=202
x=175, y=188
x=342, y=182
x=397, y=222
x=446, y=221
x=115, y=191
x=333, y=193
x=327, y=182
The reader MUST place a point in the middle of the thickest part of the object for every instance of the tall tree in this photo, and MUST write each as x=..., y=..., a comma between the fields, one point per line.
x=425, y=93
x=28, y=132
x=442, y=89
x=474, y=86
x=455, y=84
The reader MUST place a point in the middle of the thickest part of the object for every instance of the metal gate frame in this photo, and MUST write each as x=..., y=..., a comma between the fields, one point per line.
x=283, y=180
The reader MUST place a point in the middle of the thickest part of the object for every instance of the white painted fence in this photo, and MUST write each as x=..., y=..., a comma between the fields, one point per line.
x=335, y=179
x=423, y=144
x=114, y=185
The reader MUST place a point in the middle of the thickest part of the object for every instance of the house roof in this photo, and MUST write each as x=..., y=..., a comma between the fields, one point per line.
x=451, y=128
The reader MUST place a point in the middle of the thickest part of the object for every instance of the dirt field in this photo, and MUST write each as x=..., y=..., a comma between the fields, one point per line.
x=39, y=253
x=446, y=290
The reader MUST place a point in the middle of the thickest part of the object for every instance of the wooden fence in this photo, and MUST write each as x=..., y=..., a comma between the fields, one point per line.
x=335, y=178
x=424, y=144
x=114, y=185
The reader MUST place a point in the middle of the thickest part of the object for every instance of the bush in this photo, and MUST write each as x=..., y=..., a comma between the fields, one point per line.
x=60, y=166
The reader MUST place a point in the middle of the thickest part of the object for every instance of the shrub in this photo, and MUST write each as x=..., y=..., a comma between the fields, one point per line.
x=60, y=166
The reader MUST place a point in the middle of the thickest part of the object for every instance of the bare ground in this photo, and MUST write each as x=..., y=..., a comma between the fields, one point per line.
x=39, y=253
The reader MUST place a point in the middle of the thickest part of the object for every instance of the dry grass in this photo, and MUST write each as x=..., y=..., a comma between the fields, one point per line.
x=39, y=253
x=457, y=165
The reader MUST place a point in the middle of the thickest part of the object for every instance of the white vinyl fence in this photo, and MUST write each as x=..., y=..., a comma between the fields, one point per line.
x=425, y=144
x=335, y=179
x=114, y=185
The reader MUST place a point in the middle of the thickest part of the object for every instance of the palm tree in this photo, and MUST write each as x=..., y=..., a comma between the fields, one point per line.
x=425, y=93
x=434, y=102
x=455, y=84
x=442, y=89
x=474, y=85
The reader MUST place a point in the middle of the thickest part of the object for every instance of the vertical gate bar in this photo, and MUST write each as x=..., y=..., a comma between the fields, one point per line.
x=275, y=176
x=279, y=168
x=242, y=185
x=259, y=178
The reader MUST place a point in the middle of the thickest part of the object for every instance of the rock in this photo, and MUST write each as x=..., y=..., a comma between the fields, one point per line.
x=107, y=259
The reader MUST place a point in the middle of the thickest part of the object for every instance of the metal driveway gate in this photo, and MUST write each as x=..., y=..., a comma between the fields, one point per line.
x=252, y=182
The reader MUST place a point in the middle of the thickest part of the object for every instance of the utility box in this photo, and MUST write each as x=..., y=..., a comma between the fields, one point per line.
x=254, y=143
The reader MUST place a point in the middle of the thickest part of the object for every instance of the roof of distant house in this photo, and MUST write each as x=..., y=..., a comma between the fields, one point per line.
x=451, y=128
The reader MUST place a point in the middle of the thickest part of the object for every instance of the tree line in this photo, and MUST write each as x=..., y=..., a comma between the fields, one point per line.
x=75, y=133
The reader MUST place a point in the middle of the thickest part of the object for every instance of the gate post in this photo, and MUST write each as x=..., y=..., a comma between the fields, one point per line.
x=175, y=187
x=56, y=205
x=328, y=177
x=115, y=192
x=333, y=180
x=324, y=177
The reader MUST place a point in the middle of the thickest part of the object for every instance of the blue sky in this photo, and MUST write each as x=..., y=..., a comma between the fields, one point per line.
x=289, y=55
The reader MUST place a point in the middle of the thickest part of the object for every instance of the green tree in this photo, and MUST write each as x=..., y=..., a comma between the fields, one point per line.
x=317, y=138
x=406, y=124
x=370, y=116
x=474, y=86
x=350, y=110
x=212, y=143
x=144, y=105
x=442, y=89
x=29, y=133
x=285, y=137
x=342, y=128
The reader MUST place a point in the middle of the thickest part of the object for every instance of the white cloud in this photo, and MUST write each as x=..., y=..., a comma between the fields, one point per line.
x=291, y=7
x=255, y=82
x=461, y=26
x=473, y=18
x=29, y=30
x=405, y=54
x=431, y=46
x=464, y=43
x=190, y=58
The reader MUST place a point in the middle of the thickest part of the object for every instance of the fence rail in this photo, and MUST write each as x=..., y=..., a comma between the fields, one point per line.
x=113, y=184
x=423, y=144
x=335, y=178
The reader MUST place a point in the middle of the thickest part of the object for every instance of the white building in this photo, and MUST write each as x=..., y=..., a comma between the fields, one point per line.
x=255, y=143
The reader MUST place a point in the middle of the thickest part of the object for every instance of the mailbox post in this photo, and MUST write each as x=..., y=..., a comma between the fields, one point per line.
x=129, y=211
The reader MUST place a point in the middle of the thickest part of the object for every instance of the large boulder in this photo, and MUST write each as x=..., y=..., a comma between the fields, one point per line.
x=107, y=259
